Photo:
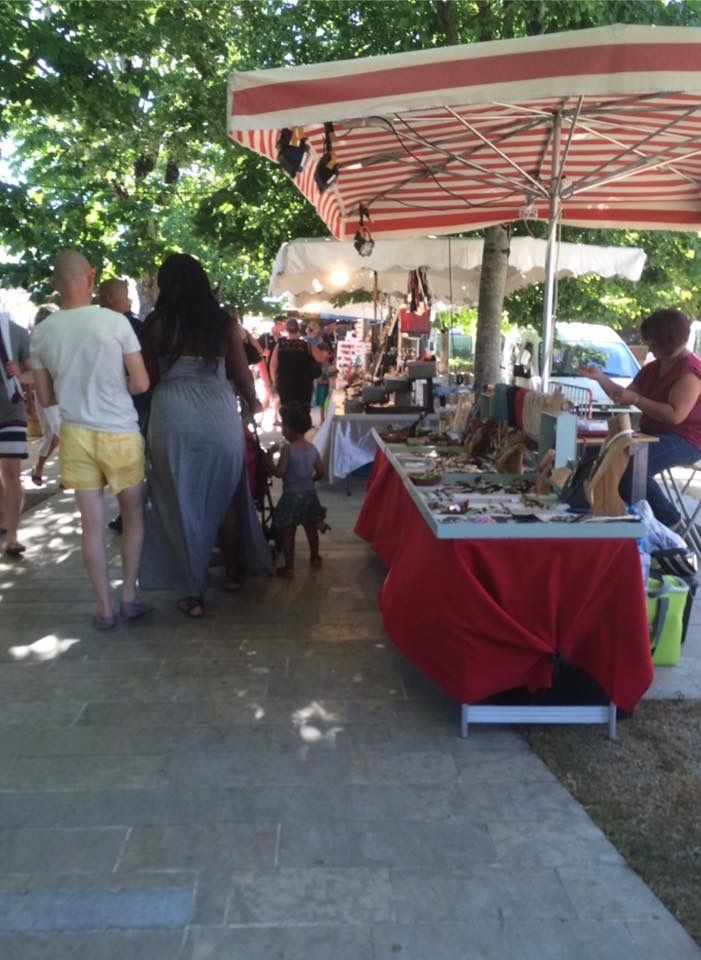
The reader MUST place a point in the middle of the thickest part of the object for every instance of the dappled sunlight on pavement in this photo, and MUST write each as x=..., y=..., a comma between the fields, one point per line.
x=275, y=778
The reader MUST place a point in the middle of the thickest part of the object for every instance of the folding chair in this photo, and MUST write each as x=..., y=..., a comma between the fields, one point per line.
x=689, y=508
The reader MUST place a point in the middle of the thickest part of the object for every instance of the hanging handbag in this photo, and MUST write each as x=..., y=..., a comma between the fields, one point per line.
x=252, y=354
x=573, y=492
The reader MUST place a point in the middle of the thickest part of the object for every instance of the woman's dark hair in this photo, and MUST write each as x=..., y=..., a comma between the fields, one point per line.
x=296, y=417
x=668, y=328
x=191, y=320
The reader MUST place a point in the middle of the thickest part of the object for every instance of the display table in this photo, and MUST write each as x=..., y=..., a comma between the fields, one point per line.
x=485, y=616
x=345, y=440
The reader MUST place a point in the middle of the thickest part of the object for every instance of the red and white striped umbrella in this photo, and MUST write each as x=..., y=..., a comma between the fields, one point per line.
x=599, y=128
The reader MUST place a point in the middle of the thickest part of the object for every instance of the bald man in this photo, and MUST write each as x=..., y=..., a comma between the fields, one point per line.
x=88, y=360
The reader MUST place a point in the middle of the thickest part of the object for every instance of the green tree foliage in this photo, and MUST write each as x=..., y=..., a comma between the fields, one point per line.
x=671, y=278
x=115, y=112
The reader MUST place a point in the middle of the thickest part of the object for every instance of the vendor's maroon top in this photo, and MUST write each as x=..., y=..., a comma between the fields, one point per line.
x=649, y=384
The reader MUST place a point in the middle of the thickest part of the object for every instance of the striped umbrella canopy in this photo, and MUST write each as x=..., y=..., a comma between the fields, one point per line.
x=597, y=128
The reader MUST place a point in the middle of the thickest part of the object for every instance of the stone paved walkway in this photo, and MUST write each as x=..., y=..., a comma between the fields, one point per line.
x=276, y=782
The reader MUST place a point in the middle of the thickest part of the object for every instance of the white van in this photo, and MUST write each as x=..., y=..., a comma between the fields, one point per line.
x=694, y=341
x=575, y=343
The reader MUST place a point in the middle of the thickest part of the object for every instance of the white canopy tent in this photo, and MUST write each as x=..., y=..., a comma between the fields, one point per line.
x=318, y=269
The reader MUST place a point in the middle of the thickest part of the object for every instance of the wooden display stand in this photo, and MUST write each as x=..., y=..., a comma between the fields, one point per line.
x=602, y=488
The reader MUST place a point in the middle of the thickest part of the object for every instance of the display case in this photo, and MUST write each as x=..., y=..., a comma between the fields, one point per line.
x=464, y=505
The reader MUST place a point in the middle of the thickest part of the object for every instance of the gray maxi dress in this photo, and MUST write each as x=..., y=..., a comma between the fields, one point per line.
x=196, y=465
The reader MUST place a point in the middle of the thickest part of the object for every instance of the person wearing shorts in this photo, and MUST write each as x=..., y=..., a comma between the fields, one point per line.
x=88, y=360
x=14, y=375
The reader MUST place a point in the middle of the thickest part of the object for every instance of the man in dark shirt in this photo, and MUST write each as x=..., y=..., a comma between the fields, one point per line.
x=268, y=341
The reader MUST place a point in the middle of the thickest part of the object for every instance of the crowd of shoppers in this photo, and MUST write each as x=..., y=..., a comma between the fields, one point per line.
x=187, y=367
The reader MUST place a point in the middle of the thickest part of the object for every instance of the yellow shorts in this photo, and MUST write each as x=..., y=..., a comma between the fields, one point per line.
x=90, y=459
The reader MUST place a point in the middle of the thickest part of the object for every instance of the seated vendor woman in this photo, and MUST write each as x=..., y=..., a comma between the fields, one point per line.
x=668, y=392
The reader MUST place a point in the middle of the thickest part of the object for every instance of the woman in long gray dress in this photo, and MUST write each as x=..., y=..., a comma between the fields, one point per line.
x=197, y=465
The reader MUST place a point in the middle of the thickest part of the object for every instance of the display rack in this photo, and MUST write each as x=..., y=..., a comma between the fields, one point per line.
x=585, y=528
x=348, y=351
x=558, y=432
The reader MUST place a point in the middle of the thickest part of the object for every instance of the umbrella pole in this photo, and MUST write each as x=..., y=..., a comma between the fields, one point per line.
x=551, y=258
x=549, y=303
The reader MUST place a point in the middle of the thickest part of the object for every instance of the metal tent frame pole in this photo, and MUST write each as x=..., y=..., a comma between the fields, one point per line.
x=551, y=256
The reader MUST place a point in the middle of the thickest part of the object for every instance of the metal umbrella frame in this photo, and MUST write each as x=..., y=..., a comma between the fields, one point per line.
x=595, y=128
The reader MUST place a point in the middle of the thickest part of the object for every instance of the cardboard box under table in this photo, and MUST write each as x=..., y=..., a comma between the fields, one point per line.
x=482, y=609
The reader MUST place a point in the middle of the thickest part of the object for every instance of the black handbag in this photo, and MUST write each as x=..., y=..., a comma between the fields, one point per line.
x=677, y=561
x=252, y=354
x=573, y=492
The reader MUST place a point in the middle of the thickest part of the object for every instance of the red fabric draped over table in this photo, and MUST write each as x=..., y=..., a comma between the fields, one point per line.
x=484, y=616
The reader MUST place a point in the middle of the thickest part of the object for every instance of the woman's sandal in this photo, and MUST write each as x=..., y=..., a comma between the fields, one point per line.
x=192, y=607
x=233, y=579
x=105, y=623
x=37, y=479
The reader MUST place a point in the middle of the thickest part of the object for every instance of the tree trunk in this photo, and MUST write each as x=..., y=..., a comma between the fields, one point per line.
x=446, y=19
x=495, y=259
x=444, y=351
x=147, y=288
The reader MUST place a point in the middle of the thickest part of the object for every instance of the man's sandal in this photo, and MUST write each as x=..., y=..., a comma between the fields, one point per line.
x=192, y=607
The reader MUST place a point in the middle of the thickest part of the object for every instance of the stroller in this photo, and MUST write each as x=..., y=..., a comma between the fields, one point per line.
x=259, y=480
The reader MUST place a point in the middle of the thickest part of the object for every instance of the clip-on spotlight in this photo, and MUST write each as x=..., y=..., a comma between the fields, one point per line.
x=327, y=170
x=292, y=151
x=363, y=241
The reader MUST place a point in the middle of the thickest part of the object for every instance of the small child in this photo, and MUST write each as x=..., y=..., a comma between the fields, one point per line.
x=299, y=466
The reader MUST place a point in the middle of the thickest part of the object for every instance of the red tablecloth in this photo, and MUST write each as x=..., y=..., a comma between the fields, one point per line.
x=484, y=616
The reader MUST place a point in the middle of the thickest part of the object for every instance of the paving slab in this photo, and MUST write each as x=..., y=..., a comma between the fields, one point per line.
x=278, y=781
x=284, y=942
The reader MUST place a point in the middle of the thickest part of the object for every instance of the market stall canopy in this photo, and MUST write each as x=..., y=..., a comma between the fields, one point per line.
x=598, y=128
x=315, y=305
x=316, y=269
